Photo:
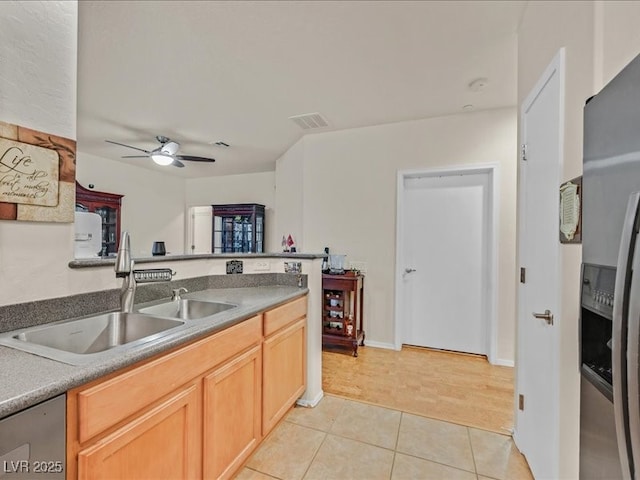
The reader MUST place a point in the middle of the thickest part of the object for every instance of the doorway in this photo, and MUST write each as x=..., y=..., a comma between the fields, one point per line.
x=199, y=230
x=446, y=259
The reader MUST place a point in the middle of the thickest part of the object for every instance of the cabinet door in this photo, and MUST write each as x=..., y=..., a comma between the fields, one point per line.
x=163, y=443
x=283, y=372
x=232, y=415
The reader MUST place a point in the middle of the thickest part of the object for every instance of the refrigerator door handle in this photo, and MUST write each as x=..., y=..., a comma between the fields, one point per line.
x=633, y=359
x=621, y=305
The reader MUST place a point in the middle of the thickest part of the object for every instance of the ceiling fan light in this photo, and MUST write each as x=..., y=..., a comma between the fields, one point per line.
x=162, y=159
x=170, y=147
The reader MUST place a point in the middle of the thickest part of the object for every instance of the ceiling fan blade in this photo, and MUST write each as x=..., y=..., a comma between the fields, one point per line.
x=135, y=156
x=195, y=159
x=128, y=146
x=177, y=163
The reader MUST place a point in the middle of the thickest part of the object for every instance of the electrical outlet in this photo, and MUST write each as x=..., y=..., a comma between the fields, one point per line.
x=262, y=266
x=360, y=266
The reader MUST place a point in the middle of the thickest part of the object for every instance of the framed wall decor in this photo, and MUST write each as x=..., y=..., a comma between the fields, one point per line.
x=571, y=211
x=37, y=175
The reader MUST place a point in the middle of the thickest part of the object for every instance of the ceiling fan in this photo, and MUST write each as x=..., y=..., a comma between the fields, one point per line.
x=165, y=154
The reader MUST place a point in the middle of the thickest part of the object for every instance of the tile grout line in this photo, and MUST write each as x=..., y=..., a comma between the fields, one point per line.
x=262, y=473
x=473, y=455
x=501, y=431
x=326, y=434
x=334, y=418
x=395, y=448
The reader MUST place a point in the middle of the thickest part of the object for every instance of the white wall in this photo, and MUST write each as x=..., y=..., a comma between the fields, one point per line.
x=248, y=188
x=620, y=39
x=349, y=199
x=38, y=51
x=153, y=206
x=290, y=195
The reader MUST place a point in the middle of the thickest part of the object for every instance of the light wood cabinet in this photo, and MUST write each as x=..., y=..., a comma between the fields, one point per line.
x=232, y=414
x=163, y=443
x=198, y=411
x=284, y=367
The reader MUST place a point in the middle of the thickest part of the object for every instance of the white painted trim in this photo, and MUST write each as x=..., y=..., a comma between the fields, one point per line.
x=303, y=402
x=501, y=362
x=556, y=66
x=388, y=346
x=493, y=169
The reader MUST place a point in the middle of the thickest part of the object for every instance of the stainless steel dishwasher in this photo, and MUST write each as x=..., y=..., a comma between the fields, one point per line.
x=32, y=442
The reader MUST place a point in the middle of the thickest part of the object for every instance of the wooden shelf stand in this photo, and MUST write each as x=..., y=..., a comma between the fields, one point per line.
x=342, y=302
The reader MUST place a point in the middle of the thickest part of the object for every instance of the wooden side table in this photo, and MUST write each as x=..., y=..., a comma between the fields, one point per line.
x=342, y=302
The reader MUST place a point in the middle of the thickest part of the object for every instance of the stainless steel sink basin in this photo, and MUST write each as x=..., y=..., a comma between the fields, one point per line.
x=187, y=309
x=74, y=341
x=96, y=334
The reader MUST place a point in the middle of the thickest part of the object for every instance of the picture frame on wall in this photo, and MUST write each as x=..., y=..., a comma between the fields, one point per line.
x=37, y=175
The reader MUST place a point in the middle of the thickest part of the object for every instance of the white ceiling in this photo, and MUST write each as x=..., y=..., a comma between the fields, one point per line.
x=203, y=71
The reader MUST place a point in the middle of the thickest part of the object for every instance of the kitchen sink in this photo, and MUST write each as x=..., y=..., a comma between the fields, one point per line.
x=187, y=309
x=69, y=341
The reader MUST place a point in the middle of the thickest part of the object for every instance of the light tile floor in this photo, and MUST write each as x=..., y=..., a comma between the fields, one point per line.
x=348, y=440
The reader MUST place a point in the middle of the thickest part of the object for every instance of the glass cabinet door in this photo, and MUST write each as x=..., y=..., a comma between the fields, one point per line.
x=238, y=228
x=109, y=228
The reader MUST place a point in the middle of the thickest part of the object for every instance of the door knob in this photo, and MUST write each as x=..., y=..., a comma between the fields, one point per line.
x=409, y=270
x=547, y=316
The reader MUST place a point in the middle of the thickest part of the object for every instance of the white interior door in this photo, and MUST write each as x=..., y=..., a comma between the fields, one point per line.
x=200, y=229
x=445, y=247
x=537, y=378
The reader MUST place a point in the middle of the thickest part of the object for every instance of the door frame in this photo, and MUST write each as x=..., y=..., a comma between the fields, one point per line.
x=491, y=321
x=555, y=67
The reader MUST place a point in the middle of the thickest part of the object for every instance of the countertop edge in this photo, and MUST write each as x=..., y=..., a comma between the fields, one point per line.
x=110, y=261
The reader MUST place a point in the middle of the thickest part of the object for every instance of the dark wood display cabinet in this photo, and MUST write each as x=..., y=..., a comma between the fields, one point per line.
x=342, y=320
x=107, y=205
x=238, y=228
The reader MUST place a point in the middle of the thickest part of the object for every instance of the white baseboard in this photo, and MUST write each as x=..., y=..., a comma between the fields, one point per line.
x=388, y=346
x=504, y=363
x=304, y=402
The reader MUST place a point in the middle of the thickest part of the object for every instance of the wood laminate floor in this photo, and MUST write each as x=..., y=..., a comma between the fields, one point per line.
x=458, y=388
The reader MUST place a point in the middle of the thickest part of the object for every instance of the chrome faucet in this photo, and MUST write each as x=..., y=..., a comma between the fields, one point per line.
x=176, y=292
x=124, y=269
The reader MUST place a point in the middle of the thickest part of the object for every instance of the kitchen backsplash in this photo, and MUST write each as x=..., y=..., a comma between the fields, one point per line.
x=27, y=314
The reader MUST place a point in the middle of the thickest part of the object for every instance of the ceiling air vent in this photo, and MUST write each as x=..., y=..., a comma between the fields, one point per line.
x=308, y=121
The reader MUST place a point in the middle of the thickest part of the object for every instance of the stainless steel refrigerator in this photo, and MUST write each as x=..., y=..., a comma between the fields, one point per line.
x=610, y=296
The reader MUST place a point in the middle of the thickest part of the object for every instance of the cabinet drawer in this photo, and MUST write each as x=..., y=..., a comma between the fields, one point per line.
x=107, y=403
x=283, y=315
x=349, y=284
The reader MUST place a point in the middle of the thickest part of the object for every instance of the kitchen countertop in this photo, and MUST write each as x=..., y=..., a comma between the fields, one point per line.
x=28, y=379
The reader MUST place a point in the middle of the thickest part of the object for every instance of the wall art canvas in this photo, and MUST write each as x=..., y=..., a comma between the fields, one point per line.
x=37, y=175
